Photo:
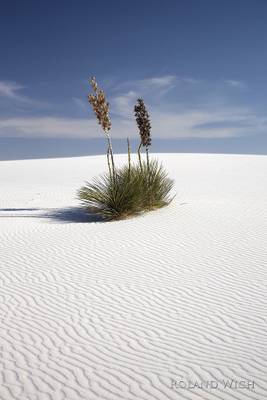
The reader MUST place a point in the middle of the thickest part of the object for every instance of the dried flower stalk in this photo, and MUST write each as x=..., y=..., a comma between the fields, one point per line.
x=143, y=123
x=97, y=99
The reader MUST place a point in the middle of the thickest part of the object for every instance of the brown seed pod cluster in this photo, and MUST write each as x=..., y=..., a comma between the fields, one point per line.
x=143, y=122
x=100, y=105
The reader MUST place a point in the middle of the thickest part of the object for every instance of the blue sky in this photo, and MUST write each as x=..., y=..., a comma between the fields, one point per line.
x=199, y=65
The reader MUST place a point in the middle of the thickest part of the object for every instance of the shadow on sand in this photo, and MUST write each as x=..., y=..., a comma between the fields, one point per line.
x=62, y=215
x=72, y=214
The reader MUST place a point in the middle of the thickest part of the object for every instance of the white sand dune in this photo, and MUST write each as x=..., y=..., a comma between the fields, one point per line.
x=124, y=310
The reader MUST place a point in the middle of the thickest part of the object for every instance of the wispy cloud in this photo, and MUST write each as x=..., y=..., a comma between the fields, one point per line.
x=49, y=127
x=159, y=84
x=123, y=103
x=11, y=90
x=235, y=84
x=188, y=124
x=206, y=123
x=176, y=106
x=12, y=93
x=153, y=90
x=198, y=123
x=81, y=104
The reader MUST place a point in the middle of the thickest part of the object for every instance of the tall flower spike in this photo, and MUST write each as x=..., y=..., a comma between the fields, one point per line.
x=97, y=99
x=100, y=105
x=143, y=123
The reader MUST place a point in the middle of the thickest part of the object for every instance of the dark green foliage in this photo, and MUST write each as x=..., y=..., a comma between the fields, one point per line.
x=128, y=193
x=156, y=185
x=112, y=197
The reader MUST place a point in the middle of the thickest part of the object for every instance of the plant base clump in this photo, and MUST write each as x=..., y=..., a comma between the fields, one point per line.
x=128, y=192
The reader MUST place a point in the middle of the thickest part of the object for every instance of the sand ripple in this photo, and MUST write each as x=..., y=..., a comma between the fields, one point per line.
x=123, y=310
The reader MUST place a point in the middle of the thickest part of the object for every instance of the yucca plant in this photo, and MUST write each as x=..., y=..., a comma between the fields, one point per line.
x=133, y=188
x=131, y=193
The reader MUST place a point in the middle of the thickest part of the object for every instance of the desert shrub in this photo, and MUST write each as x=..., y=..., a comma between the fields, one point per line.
x=129, y=192
x=112, y=197
x=131, y=189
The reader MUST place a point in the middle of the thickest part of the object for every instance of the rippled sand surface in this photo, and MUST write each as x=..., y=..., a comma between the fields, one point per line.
x=169, y=305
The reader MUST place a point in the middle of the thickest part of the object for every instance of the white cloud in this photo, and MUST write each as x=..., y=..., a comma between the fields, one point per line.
x=11, y=92
x=157, y=85
x=202, y=123
x=123, y=104
x=10, y=89
x=235, y=84
x=48, y=127
x=195, y=124
x=162, y=81
x=187, y=124
x=157, y=82
x=154, y=89
x=79, y=103
x=171, y=117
